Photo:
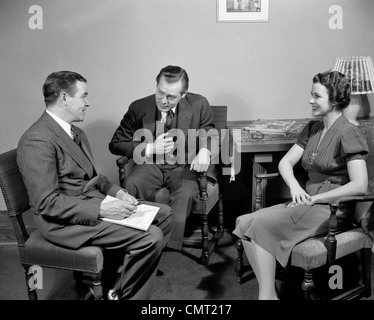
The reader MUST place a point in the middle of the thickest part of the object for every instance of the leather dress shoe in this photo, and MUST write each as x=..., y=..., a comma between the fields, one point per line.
x=113, y=294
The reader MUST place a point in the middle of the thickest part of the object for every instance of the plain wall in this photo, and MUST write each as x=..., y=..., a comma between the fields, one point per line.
x=259, y=70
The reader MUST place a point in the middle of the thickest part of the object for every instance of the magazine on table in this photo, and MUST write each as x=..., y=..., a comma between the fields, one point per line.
x=140, y=220
x=271, y=126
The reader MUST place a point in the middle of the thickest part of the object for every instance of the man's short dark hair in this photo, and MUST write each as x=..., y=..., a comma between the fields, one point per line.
x=60, y=81
x=173, y=74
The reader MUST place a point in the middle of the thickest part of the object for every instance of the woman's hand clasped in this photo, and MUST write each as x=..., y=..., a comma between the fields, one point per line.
x=299, y=197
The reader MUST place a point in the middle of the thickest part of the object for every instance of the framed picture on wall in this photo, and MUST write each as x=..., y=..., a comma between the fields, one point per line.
x=243, y=10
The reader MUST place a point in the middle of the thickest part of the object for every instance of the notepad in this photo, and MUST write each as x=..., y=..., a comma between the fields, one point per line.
x=140, y=220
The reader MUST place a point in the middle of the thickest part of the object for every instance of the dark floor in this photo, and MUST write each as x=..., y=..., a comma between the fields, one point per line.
x=180, y=277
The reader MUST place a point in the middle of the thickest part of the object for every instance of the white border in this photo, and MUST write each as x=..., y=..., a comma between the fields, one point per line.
x=224, y=16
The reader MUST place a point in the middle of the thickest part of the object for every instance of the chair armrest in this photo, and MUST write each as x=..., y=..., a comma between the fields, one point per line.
x=266, y=176
x=121, y=163
x=367, y=197
x=203, y=185
x=330, y=242
x=211, y=176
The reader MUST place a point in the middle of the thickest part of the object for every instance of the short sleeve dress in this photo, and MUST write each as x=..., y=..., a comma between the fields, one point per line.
x=278, y=229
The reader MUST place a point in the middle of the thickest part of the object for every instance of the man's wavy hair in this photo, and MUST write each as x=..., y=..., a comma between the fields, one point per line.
x=173, y=74
x=338, y=87
x=58, y=82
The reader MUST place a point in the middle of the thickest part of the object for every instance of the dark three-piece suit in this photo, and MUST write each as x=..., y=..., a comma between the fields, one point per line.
x=193, y=112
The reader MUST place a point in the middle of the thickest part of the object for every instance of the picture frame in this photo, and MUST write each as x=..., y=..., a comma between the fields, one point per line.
x=243, y=10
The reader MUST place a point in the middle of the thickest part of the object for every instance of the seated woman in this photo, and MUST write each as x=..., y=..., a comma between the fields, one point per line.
x=332, y=150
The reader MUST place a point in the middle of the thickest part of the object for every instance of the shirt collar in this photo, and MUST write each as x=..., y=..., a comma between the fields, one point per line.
x=64, y=125
x=164, y=113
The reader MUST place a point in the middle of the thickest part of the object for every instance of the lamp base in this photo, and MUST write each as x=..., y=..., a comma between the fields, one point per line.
x=352, y=111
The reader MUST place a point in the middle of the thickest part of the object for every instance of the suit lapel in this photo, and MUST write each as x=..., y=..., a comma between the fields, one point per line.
x=184, y=116
x=86, y=150
x=61, y=138
x=85, y=146
x=149, y=118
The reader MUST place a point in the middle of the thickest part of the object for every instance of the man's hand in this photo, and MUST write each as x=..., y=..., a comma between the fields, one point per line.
x=119, y=209
x=127, y=197
x=162, y=144
x=202, y=161
x=116, y=209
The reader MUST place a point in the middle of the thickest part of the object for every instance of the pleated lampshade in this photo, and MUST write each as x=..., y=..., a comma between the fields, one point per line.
x=360, y=72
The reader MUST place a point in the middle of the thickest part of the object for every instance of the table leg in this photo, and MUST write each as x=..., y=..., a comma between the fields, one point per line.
x=258, y=167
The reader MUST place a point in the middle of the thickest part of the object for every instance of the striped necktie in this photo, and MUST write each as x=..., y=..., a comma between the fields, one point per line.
x=169, y=119
x=75, y=135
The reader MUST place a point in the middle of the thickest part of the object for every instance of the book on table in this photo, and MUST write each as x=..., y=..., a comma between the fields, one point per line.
x=140, y=220
x=271, y=126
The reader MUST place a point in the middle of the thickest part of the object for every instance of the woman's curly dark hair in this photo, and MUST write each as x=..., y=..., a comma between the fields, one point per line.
x=337, y=86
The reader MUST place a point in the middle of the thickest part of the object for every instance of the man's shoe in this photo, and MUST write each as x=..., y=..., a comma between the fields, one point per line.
x=113, y=294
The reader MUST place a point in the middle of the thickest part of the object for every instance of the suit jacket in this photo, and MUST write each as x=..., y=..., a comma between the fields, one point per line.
x=193, y=112
x=64, y=186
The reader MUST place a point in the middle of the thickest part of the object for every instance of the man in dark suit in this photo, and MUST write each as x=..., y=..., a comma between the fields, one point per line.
x=167, y=134
x=66, y=191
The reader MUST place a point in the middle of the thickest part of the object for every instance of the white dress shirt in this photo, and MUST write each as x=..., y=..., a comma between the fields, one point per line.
x=64, y=125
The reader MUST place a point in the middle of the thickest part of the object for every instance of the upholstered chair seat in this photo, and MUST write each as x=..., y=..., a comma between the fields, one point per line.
x=86, y=263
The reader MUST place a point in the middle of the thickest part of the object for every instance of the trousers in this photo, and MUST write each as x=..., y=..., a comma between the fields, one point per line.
x=131, y=256
x=146, y=180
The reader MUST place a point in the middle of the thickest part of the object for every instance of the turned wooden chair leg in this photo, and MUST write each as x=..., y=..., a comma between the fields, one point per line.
x=97, y=289
x=94, y=283
x=239, y=268
x=220, y=228
x=308, y=284
x=31, y=290
x=366, y=270
x=204, y=240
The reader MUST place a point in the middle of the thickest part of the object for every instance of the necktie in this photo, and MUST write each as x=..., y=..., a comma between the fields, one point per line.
x=169, y=120
x=75, y=135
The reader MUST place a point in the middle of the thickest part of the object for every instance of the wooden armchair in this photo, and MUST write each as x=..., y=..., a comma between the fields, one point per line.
x=34, y=250
x=210, y=196
x=317, y=253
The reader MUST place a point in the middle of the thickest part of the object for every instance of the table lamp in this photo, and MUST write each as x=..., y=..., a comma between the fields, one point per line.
x=360, y=72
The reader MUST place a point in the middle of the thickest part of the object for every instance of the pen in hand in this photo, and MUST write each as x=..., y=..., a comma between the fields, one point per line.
x=136, y=203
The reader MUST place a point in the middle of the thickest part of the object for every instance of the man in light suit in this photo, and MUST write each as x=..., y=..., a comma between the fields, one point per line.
x=141, y=135
x=66, y=191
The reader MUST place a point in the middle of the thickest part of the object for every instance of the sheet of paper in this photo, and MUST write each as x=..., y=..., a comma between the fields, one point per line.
x=140, y=220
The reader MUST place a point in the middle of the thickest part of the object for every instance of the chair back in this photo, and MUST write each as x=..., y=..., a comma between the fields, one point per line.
x=14, y=193
x=226, y=143
x=368, y=130
x=364, y=213
x=220, y=117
